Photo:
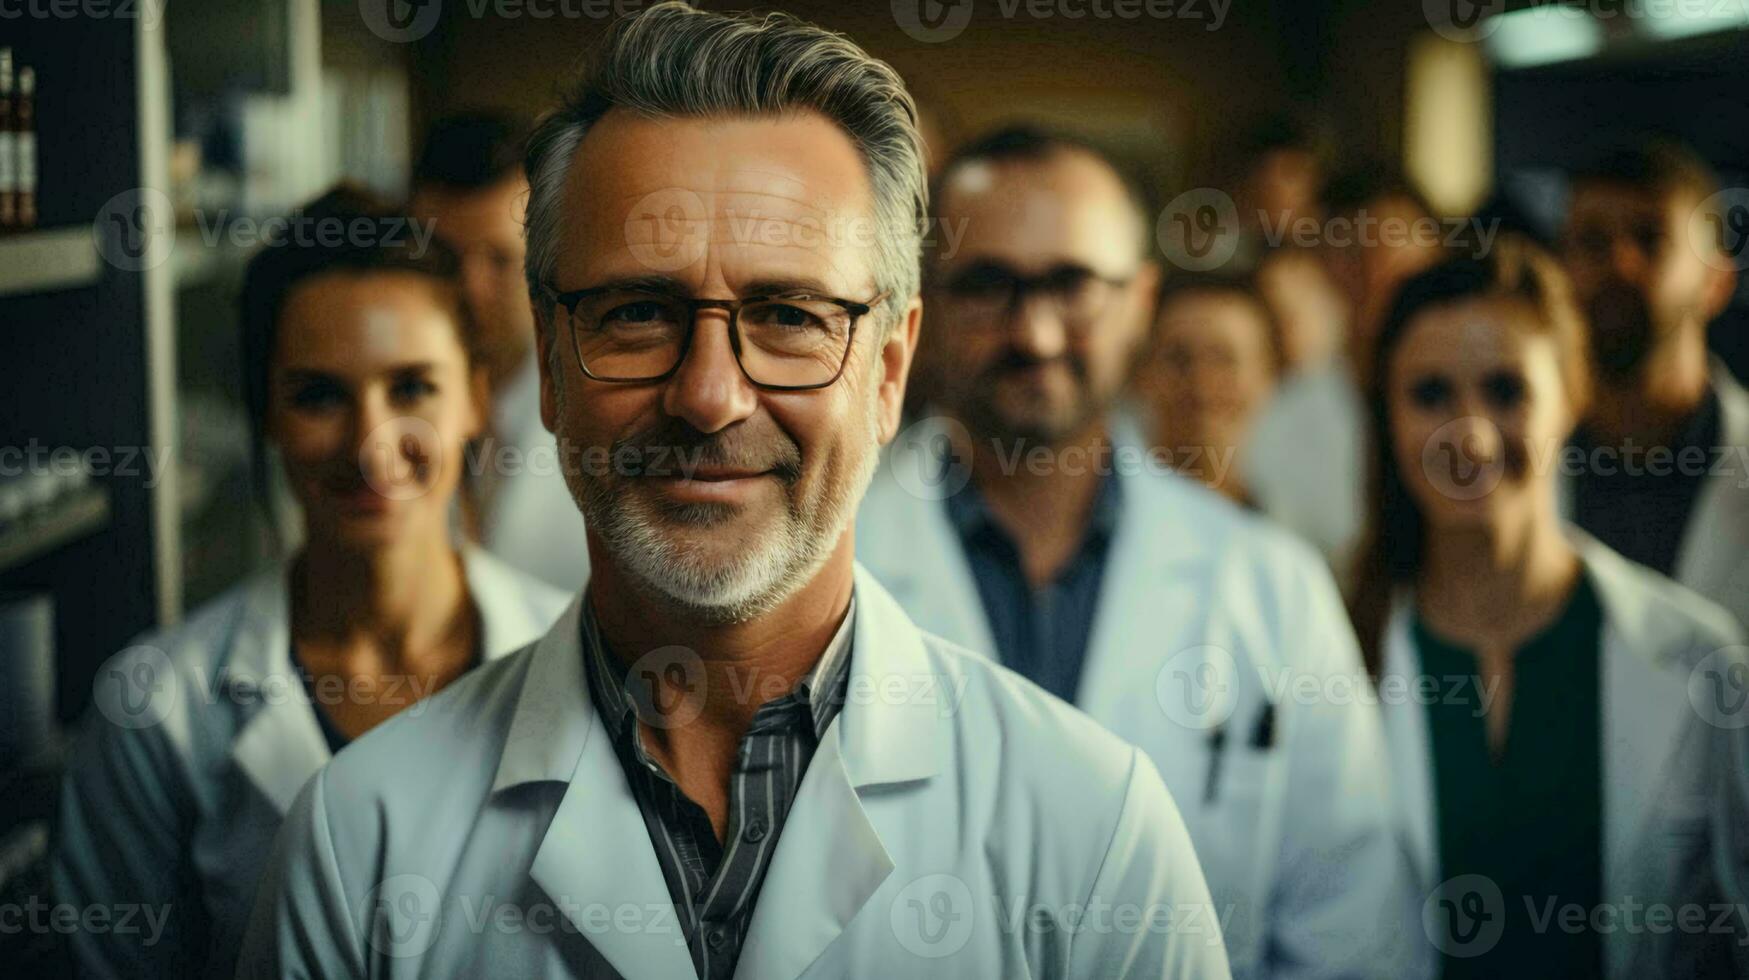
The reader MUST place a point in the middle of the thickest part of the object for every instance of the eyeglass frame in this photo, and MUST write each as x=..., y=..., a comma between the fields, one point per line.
x=1020, y=287
x=569, y=300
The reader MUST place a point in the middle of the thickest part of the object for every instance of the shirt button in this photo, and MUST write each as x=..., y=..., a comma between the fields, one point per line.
x=754, y=833
x=718, y=937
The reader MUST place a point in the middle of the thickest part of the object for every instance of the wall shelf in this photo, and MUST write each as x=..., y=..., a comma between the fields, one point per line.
x=44, y=261
x=68, y=519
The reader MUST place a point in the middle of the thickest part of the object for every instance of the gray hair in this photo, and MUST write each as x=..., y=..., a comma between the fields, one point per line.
x=670, y=60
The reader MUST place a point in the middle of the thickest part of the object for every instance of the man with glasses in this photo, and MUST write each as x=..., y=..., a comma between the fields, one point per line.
x=1022, y=522
x=734, y=755
x=1664, y=481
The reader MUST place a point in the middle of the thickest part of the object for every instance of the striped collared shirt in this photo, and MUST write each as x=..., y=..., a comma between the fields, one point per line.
x=715, y=884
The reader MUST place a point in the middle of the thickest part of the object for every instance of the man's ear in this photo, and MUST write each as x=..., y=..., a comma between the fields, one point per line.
x=1143, y=289
x=896, y=354
x=544, y=332
x=1147, y=286
x=1721, y=285
x=480, y=397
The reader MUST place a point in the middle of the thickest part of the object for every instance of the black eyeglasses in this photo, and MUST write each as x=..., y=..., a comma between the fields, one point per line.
x=986, y=296
x=785, y=342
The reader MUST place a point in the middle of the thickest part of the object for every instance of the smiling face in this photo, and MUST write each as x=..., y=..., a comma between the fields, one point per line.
x=1213, y=367
x=721, y=208
x=1048, y=366
x=1478, y=408
x=371, y=400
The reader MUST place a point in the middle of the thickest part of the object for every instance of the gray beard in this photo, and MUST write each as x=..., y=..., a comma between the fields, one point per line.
x=757, y=579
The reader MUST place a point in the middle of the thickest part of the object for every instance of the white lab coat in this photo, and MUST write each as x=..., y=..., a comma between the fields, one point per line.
x=1713, y=558
x=527, y=514
x=1675, y=780
x=180, y=781
x=1305, y=461
x=495, y=835
x=1297, y=845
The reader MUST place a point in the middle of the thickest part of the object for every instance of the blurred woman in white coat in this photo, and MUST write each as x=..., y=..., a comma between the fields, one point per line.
x=1573, y=796
x=357, y=370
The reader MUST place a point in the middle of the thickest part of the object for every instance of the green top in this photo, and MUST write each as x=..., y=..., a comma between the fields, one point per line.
x=1531, y=820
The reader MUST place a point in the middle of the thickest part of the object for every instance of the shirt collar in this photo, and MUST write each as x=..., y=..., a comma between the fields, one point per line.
x=970, y=513
x=617, y=695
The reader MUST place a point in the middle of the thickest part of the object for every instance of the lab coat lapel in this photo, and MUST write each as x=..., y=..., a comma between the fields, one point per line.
x=597, y=852
x=1406, y=739
x=828, y=862
x=830, y=859
x=924, y=566
x=281, y=745
x=1152, y=603
x=1716, y=542
x=1645, y=708
x=508, y=621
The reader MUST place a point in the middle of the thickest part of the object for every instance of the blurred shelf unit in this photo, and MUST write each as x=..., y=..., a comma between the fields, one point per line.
x=68, y=518
x=46, y=261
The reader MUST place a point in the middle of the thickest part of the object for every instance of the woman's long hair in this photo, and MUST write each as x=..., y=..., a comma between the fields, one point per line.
x=1515, y=270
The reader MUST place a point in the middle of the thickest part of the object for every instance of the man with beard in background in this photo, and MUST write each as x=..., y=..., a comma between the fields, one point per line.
x=1661, y=477
x=1024, y=522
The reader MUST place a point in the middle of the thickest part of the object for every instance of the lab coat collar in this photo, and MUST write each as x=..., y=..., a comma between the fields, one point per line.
x=1648, y=629
x=281, y=745
x=1154, y=538
x=1659, y=632
x=830, y=858
x=1717, y=536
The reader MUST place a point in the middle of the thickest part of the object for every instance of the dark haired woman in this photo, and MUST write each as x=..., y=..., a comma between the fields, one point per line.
x=1559, y=763
x=358, y=373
